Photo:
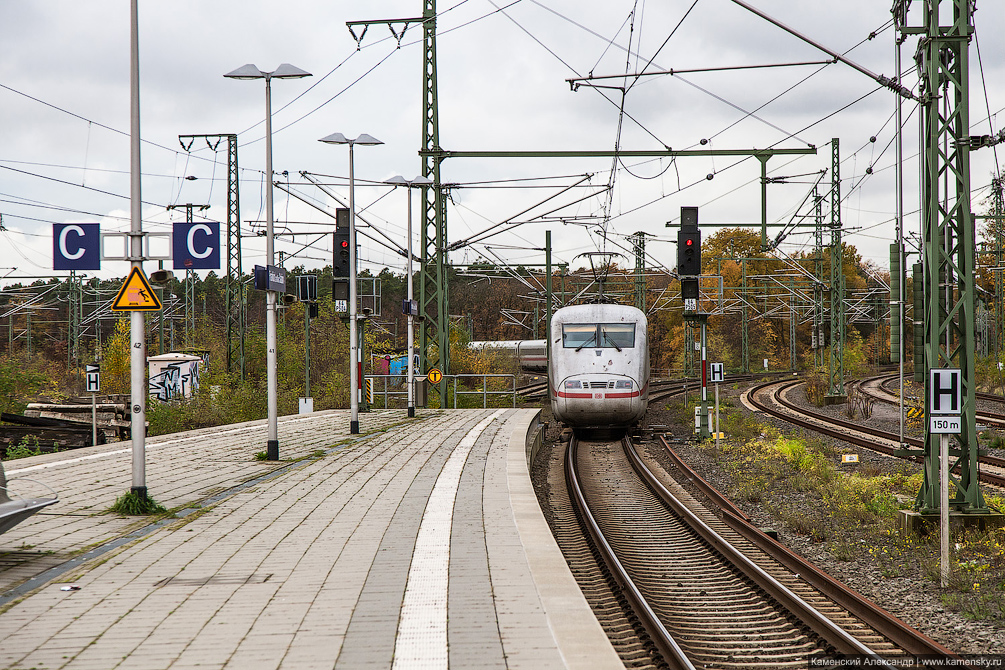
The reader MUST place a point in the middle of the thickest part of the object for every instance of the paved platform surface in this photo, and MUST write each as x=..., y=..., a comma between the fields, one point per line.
x=417, y=544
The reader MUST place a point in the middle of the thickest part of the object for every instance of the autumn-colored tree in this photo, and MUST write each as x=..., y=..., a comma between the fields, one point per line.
x=115, y=362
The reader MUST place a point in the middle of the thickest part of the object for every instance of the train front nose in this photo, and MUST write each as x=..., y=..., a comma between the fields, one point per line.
x=592, y=401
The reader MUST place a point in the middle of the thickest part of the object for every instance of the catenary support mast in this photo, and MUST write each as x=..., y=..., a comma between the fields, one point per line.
x=947, y=228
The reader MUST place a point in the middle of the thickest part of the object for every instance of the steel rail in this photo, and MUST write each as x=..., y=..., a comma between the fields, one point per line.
x=875, y=388
x=867, y=440
x=836, y=636
x=891, y=398
x=661, y=638
x=910, y=640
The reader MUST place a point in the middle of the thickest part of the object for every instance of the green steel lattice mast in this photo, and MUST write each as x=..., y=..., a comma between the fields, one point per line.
x=948, y=238
x=835, y=386
x=433, y=280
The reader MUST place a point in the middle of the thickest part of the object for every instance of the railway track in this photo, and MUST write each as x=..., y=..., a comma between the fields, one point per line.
x=705, y=595
x=770, y=398
x=887, y=379
x=877, y=389
x=605, y=595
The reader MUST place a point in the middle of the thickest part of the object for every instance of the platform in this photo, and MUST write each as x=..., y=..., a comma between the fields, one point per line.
x=417, y=544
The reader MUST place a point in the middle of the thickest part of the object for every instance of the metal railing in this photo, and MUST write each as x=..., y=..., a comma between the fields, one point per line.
x=485, y=393
x=396, y=381
x=389, y=387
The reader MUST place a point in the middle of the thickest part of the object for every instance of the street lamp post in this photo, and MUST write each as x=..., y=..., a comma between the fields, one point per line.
x=355, y=364
x=419, y=181
x=284, y=71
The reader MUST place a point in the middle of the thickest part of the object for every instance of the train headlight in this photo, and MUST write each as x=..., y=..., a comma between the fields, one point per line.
x=573, y=384
x=623, y=384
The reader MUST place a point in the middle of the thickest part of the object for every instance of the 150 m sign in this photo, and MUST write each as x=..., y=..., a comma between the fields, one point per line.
x=945, y=425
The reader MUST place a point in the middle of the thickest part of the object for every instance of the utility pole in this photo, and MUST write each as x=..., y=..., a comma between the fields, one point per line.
x=137, y=319
x=433, y=299
x=792, y=327
x=74, y=314
x=549, y=302
x=998, y=211
x=433, y=279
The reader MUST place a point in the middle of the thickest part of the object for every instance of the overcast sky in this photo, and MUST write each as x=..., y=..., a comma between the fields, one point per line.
x=64, y=103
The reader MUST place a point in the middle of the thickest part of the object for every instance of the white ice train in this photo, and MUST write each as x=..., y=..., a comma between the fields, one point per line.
x=531, y=354
x=599, y=368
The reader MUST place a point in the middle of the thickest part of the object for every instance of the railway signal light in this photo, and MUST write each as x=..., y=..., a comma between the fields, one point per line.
x=689, y=243
x=340, y=265
x=689, y=253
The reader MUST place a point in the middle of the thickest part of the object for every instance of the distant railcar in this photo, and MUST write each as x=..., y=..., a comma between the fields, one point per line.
x=531, y=354
x=599, y=369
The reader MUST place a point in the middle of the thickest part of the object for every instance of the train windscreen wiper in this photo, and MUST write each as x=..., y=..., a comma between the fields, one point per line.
x=585, y=342
x=611, y=340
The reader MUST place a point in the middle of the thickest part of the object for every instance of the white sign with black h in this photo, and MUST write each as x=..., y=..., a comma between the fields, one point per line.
x=93, y=378
x=718, y=372
x=945, y=391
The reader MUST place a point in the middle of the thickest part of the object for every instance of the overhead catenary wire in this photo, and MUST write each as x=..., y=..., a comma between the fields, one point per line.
x=858, y=185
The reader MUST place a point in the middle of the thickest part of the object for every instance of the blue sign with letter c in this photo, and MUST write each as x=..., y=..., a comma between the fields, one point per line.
x=196, y=246
x=76, y=246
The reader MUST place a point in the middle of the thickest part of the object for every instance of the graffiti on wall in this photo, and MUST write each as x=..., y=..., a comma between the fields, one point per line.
x=177, y=380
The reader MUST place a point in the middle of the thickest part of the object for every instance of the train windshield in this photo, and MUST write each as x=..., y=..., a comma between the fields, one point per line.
x=598, y=335
x=617, y=335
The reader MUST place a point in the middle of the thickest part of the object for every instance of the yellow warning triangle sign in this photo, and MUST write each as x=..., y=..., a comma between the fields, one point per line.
x=136, y=294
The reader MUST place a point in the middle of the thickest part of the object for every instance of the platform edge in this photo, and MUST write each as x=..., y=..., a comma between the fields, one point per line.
x=580, y=639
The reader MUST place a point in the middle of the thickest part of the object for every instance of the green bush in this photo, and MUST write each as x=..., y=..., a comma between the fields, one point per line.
x=24, y=448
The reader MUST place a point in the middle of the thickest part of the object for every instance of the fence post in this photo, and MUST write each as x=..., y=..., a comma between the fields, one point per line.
x=455, y=391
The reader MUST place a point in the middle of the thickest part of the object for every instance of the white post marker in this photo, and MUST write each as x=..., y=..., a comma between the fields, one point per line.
x=945, y=400
x=944, y=508
x=93, y=381
x=718, y=374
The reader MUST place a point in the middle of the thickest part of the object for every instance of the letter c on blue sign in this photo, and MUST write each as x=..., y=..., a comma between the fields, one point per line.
x=76, y=246
x=199, y=228
x=196, y=246
x=79, y=232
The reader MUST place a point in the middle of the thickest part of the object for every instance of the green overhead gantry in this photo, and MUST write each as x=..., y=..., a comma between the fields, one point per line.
x=433, y=294
x=437, y=156
x=433, y=297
